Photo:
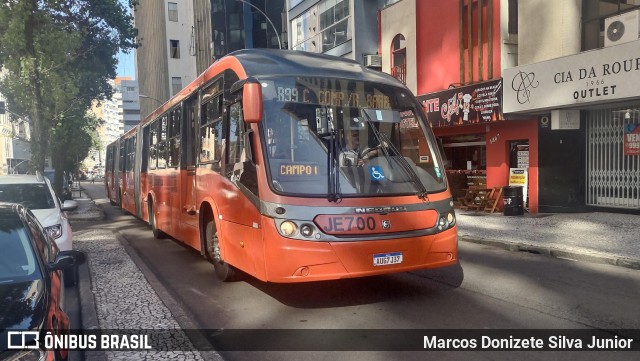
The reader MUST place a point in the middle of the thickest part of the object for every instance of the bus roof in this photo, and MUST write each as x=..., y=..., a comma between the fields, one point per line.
x=260, y=63
x=272, y=62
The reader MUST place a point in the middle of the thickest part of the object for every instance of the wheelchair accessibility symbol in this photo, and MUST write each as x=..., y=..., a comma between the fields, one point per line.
x=377, y=174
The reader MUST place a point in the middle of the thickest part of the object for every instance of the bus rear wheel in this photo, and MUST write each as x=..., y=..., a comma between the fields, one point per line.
x=152, y=222
x=224, y=271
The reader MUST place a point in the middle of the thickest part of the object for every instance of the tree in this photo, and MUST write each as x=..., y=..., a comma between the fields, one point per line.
x=57, y=56
x=82, y=129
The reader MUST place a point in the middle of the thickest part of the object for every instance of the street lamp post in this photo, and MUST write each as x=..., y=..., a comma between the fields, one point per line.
x=148, y=97
x=269, y=20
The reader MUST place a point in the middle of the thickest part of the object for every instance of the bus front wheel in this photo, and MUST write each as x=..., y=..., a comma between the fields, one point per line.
x=224, y=271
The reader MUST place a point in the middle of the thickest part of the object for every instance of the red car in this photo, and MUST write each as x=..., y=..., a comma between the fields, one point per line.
x=31, y=293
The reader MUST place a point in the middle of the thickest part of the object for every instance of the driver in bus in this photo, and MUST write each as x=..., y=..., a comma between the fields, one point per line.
x=353, y=153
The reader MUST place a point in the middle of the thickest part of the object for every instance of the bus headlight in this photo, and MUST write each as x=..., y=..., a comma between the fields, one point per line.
x=288, y=228
x=451, y=219
x=306, y=230
x=446, y=221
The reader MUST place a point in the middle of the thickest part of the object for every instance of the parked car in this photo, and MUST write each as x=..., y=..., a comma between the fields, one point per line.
x=31, y=290
x=35, y=192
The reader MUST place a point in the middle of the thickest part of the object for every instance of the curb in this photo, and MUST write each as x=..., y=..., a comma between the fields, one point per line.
x=598, y=258
x=88, y=312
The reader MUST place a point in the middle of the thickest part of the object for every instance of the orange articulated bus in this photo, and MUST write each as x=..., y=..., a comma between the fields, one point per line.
x=290, y=167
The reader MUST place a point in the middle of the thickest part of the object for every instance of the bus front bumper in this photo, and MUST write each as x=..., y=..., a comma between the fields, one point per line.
x=289, y=260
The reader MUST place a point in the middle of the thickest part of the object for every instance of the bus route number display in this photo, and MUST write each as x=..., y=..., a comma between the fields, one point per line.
x=327, y=97
x=299, y=169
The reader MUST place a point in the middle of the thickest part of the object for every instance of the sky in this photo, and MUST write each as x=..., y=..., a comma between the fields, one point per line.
x=125, y=65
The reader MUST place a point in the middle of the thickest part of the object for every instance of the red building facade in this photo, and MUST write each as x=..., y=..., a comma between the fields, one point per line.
x=452, y=54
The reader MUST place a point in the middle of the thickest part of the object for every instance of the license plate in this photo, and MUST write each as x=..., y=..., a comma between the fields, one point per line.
x=383, y=259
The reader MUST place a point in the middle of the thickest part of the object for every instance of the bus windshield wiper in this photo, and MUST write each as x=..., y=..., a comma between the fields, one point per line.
x=333, y=187
x=422, y=191
x=384, y=142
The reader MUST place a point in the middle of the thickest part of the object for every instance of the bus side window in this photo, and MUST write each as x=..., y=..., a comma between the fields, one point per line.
x=131, y=153
x=153, y=145
x=162, y=147
x=236, y=135
x=211, y=134
x=175, y=119
x=121, y=156
x=239, y=167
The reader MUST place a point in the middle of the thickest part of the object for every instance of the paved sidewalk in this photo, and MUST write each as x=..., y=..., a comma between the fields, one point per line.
x=598, y=237
x=118, y=296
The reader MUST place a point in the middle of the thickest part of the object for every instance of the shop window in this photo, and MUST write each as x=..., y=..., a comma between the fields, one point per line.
x=465, y=161
x=465, y=152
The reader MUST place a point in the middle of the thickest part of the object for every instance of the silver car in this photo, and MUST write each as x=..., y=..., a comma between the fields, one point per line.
x=35, y=192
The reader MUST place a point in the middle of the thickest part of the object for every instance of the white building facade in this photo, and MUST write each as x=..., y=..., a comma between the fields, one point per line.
x=15, y=134
x=119, y=114
x=166, y=58
x=578, y=70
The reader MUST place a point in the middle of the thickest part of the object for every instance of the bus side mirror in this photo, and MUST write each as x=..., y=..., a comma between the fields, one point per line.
x=252, y=102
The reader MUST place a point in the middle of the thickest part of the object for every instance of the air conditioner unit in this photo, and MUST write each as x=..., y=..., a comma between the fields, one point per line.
x=622, y=28
x=373, y=61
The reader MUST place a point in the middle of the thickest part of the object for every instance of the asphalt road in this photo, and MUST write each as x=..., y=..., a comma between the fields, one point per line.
x=493, y=289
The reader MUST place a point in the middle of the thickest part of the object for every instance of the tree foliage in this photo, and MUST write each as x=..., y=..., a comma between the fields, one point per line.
x=57, y=56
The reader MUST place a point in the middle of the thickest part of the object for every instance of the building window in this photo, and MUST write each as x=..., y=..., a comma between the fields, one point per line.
x=175, y=49
x=513, y=17
x=176, y=85
x=323, y=27
x=399, y=58
x=334, y=23
x=173, y=11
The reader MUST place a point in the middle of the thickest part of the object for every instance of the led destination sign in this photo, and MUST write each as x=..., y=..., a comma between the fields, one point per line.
x=332, y=92
x=334, y=98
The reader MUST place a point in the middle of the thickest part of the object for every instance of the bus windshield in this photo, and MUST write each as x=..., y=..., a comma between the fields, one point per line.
x=339, y=137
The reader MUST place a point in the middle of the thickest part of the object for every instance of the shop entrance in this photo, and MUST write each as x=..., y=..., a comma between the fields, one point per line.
x=466, y=162
x=519, y=167
x=613, y=157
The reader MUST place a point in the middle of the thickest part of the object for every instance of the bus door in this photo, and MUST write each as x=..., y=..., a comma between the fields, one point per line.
x=110, y=172
x=242, y=235
x=128, y=181
x=117, y=178
x=137, y=161
x=188, y=202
